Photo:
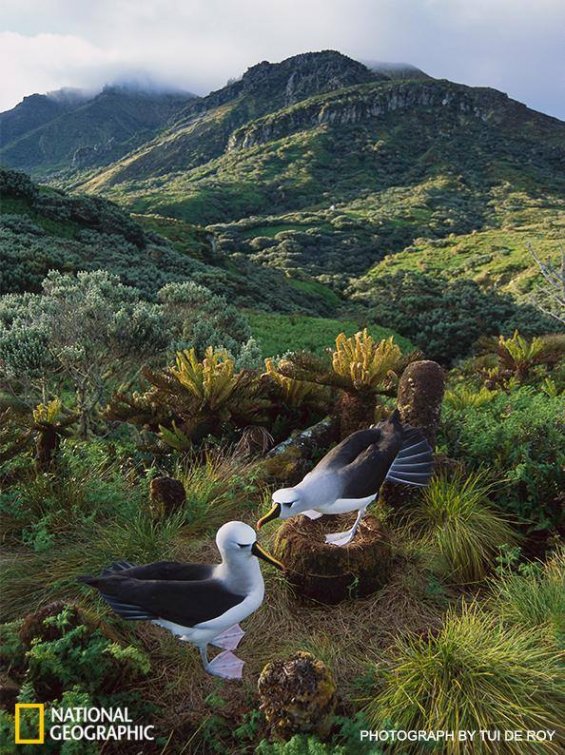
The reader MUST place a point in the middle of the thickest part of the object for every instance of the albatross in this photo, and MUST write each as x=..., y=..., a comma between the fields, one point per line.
x=200, y=603
x=349, y=477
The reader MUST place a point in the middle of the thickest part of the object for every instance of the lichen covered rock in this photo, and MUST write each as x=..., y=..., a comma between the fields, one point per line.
x=297, y=695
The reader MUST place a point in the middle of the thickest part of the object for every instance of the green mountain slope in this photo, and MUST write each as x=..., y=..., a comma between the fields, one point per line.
x=203, y=129
x=45, y=134
x=35, y=111
x=354, y=169
x=493, y=257
x=322, y=167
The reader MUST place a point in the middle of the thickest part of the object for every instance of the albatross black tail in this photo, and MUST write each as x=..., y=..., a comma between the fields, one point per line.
x=413, y=464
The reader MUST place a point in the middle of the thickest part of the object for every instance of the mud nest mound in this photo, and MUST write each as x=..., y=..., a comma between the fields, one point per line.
x=328, y=573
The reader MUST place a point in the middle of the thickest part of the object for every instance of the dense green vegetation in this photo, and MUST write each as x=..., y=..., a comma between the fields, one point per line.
x=298, y=238
x=444, y=317
x=43, y=229
x=358, y=175
x=74, y=498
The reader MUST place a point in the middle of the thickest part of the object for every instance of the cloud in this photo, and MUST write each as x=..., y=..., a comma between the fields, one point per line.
x=513, y=45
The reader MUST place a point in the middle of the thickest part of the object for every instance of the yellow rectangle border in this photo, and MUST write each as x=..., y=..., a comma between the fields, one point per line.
x=41, y=738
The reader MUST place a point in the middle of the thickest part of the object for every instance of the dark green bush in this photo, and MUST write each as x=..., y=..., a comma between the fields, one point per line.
x=518, y=435
x=444, y=318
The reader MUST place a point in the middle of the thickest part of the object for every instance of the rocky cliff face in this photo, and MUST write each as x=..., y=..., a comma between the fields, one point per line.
x=355, y=107
x=276, y=85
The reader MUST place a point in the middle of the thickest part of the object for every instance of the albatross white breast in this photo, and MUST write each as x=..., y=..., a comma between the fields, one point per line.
x=349, y=477
x=200, y=603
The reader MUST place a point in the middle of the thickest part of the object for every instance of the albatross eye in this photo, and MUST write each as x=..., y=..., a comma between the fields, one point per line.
x=244, y=545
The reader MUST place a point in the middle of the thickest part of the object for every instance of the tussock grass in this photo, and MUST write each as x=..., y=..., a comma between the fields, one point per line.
x=31, y=579
x=476, y=673
x=218, y=487
x=534, y=596
x=459, y=528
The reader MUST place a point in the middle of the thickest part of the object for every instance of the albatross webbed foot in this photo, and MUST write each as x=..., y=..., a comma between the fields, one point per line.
x=340, y=538
x=343, y=538
x=226, y=665
x=229, y=639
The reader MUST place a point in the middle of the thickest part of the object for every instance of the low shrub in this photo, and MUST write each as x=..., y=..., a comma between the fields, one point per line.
x=520, y=434
x=533, y=596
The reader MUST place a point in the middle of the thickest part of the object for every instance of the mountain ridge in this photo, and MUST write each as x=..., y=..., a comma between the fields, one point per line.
x=47, y=133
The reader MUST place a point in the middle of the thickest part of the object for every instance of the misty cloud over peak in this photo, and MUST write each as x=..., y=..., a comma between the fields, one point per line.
x=198, y=45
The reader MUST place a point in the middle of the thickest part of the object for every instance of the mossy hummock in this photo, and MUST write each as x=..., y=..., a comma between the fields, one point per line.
x=298, y=695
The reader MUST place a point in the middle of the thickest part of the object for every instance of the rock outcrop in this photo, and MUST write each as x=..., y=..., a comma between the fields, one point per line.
x=357, y=106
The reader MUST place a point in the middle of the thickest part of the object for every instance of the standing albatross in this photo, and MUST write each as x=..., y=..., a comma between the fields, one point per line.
x=349, y=477
x=200, y=603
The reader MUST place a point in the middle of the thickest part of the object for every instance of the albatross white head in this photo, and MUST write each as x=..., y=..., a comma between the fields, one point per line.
x=287, y=502
x=237, y=543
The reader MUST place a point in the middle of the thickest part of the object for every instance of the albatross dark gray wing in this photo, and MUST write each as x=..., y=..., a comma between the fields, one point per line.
x=405, y=458
x=348, y=450
x=364, y=476
x=162, y=570
x=183, y=602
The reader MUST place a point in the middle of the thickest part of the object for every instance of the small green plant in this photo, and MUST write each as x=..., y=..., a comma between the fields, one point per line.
x=216, y=481
x=463, y=396
x=459, y=527
x=300, y=744
x=196, y=398
x=476, y=673
x=44, y=509
x=364, y=362
x=250, y=727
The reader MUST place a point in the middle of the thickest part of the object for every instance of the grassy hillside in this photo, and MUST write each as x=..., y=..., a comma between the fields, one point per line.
x=493, y=257
x=43, y=229
x=304, y=183
x=277, y=334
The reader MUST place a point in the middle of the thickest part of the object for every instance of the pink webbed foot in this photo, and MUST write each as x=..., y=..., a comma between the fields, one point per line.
x=229, y=639
x=226, y=665
x=340, y=538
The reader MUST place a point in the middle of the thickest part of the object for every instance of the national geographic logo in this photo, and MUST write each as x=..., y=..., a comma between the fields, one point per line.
x=76, y=724
x=40, y=739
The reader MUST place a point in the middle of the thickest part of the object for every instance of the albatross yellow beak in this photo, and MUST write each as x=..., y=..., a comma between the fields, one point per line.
x=274, y=513
x=260, y=553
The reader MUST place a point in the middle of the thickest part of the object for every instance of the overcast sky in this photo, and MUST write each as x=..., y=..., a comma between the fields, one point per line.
x=517, y=46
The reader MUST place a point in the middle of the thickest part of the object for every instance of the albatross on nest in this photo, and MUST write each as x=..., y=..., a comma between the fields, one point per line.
x=350, y=476
x=200, y=603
